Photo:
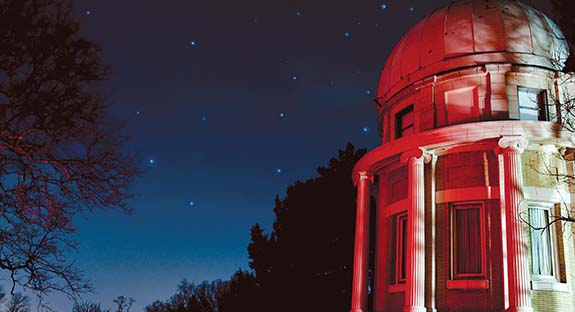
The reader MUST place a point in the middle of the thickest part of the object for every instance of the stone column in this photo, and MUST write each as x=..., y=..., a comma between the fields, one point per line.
x=360, y=256
x=517, y=262
x=415, y=264
x=431, y=244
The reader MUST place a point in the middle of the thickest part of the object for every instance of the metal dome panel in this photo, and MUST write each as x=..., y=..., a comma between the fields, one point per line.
x=467, y=33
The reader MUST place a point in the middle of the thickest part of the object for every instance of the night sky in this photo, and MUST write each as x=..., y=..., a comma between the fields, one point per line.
x=227, y=102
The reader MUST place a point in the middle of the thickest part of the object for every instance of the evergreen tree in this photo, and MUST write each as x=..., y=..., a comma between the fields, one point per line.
x=305, y=264
x=241, y=294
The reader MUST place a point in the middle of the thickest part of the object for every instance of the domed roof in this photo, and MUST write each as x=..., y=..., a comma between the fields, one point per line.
x=468, y=33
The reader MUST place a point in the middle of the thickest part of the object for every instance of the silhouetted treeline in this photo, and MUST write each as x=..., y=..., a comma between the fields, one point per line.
x=216, y=296
x=122, y=304
x=88, y=307
x=304, y=264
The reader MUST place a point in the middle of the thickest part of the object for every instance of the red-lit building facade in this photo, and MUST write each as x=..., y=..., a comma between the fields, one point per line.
x=470, y=104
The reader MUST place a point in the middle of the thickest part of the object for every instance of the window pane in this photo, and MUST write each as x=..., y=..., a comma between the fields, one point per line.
x=541, y=252
x=407, y=131
x=400, y=224
x=407, y=120
x=527, y=99
x=468, y=241
x=404, y=122
x=403, y=247
x=532, y=104
x=529, y=114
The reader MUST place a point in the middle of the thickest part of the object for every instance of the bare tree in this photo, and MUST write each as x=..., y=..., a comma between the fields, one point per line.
x=207, y=296
x=565, y=17
x=123, y=304
x=87, y=307
x=18, y=303
x=157, y=306
x=59, y=156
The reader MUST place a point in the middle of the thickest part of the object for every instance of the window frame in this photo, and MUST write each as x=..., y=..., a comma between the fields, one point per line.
x=400, y=223
x=399, y=126
x=542, y=106
x=453, y=242
x=555, y=277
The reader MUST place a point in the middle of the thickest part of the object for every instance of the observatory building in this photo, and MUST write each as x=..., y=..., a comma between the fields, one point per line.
x=463, y=191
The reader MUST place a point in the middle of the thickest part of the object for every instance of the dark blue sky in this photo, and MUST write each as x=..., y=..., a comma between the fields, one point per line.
x=202, y=86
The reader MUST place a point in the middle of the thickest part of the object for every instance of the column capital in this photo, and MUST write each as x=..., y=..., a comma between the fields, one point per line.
x=415, y=153
x=363, y=175
x=513, y=142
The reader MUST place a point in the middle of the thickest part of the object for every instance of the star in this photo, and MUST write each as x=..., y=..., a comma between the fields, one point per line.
x=367, y=92
x=294, y=77
x=204, y=118
x=88, y=12
x=411, y=8
x=279, y=170
x=138, y=113
x=332, y=83
x=192, y=204
x=282, y=115
x=298, y=13
x=152, y=161
x=365, y=130
x=346, y=34
x=193, y=43
x=383, y=6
